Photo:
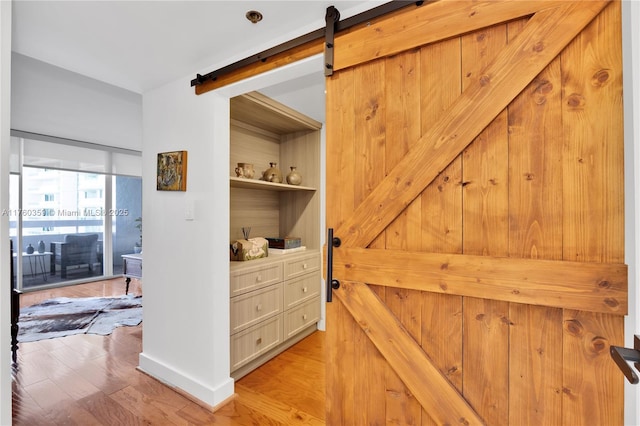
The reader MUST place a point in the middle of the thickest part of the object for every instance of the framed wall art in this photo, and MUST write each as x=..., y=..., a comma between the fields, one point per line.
x=172, y=171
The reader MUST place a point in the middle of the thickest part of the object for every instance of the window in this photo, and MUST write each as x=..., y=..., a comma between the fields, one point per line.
x=60, y=187
x=94, y=193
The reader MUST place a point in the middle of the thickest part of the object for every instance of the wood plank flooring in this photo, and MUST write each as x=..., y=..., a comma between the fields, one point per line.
x=93, y=380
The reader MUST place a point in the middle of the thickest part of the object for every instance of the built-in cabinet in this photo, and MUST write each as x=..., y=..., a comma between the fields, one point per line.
x=274, y=301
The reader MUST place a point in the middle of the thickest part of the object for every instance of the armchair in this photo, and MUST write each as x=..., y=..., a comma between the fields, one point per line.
x=81, y=250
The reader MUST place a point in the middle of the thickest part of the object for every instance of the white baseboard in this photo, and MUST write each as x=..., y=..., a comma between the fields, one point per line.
x=201, y=393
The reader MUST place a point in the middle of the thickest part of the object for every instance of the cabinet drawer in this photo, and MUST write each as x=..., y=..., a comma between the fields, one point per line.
x=251, y=308
x=301, y=265
x=297, y=319
x=299, y=290
x=253, y=342
x=253, y=278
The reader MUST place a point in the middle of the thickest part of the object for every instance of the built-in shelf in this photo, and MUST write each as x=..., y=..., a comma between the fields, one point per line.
x=275, y=300
x=262, y=184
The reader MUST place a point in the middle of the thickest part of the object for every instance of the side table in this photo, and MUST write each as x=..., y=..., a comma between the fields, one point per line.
x=36, y=263
x=132, y=267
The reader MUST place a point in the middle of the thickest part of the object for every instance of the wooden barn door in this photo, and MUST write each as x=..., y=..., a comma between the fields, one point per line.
x=475, y=179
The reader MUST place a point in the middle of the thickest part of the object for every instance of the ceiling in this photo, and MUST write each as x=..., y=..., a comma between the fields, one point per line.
x=142, y=45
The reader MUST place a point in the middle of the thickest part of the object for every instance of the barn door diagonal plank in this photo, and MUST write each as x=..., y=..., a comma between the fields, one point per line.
x=542, y=39
x=440, y=399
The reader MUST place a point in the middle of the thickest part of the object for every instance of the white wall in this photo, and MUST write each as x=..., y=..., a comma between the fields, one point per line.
x=186, y=269
x=631, y=58
x=52, y=101
x=5, y=91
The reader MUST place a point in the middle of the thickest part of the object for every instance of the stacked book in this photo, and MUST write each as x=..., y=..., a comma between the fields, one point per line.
x=285, y=245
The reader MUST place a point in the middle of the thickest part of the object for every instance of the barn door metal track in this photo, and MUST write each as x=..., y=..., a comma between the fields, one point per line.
x=334, y=25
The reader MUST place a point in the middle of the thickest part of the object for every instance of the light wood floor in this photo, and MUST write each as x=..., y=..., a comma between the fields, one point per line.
x=93, y=380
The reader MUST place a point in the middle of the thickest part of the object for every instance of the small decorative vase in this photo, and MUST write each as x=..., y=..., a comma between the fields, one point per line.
x=272, y=174
x=294, y=177
x=30, y=249
x=245, y=170
x=41, y=246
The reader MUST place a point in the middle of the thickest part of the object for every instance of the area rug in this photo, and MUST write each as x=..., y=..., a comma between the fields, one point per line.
x=64, y=316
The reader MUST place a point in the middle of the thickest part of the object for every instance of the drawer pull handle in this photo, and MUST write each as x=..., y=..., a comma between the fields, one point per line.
x=258, y=278
x=304, y=317
x=258, y=340
x=304, y=290
x=304, y=266
x=259, y=307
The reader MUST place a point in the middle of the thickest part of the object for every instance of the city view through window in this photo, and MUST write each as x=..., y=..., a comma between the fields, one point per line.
x=55, y=208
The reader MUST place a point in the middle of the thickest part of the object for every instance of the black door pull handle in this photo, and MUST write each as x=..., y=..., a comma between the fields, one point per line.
x=622, y=355
x=331, y=283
